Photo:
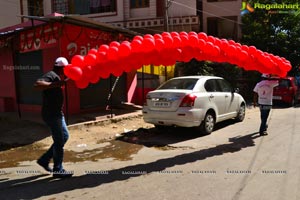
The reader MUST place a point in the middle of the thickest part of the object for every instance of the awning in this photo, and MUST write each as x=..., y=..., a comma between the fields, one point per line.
x=69, y=19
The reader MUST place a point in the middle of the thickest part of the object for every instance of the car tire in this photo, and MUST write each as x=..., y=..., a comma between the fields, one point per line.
x=160, y=127
x=241, y=113
x=293, y=102
x=208, y=124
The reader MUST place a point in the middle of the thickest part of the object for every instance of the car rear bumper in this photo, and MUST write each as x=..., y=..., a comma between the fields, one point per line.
x=183, y=117
x=286, y=98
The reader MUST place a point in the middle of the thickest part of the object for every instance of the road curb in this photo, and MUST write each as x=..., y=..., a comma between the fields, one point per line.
x=105, y=120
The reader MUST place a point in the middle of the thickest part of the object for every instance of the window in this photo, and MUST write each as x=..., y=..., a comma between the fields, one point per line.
x=219, y=0
x=182, y=84
x=102, y=6
x=35, y=7
x=224, y=85
x=224, y=27
x=139, y=3
x=211, y=85
x=60, y=6
x=84, y=7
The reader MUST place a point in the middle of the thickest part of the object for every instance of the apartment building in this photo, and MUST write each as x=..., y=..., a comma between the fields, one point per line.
x=221, y=18
x=216, y=17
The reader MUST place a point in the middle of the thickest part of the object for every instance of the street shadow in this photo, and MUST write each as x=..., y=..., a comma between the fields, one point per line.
x=163, y=137
x=30, y=188
x=17, y=133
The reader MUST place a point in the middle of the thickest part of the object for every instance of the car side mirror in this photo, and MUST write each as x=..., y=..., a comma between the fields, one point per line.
x=236, y=90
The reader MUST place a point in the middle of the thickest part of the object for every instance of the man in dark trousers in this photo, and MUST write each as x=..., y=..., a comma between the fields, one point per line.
x=263, y=94
x=51, y=84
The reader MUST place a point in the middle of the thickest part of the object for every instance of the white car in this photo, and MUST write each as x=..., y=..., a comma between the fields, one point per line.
x=193, y=101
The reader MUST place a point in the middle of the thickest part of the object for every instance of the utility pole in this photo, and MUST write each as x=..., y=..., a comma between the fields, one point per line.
x=166, y=15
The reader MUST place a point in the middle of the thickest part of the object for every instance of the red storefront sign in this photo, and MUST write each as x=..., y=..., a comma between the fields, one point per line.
x=41, y=37
x=79, y=40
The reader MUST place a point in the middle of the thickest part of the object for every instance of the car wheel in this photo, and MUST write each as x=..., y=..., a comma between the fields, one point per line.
x=241, y=114
x=208, y=124
x=293, y=102
x=160, y=127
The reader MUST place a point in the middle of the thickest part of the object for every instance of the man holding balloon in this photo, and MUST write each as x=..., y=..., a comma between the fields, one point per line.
x=51, y=84
x=263, y=94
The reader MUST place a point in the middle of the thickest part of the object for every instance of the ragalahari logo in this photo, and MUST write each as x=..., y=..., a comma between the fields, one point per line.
x=246, y=8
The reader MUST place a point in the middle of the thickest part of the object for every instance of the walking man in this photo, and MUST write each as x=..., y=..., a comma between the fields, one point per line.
x=51, y=84
x=263, y=94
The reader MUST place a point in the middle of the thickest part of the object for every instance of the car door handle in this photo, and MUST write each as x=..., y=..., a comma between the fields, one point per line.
x=211, y=96
x=226, y=96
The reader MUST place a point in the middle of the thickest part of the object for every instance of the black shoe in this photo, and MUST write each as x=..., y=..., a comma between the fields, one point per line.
x=44, y=165
x=62, y=174
x=263, y=133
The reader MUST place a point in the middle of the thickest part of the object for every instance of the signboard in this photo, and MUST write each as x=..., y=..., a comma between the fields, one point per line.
x=41, y=37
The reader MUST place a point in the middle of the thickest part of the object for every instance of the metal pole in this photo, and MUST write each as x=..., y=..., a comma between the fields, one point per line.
x=166, y=24
x=143, y=86
x=67, y=103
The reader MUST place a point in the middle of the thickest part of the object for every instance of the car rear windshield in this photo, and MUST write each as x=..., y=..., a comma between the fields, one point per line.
x=179, y=84
x=284, y=83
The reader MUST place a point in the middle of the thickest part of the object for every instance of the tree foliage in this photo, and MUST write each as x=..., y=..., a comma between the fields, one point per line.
x=276, y=31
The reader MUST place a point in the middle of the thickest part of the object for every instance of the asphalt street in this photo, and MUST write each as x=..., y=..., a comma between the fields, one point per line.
x=233, y=163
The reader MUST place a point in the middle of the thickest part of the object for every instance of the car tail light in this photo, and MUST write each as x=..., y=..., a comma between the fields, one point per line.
x=188, y=101
x=145, y=100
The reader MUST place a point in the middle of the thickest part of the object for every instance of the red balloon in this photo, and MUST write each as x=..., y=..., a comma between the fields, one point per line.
x=74, y=73
x=209, y=47
x=177, y=42
x=114, y=44
x=215, y=51
x=101, y=57
x=157, y=36
x=90, y=59
x=112, y=53
x=103, y=73
x=94, y=79
x=136, y=46
x=138, y=37
x=201, y=44
x=168, y=41
x=103, y=47
x=211, y=39
x=78, y=60
x=193, y=40
x=88, y=72
x=93, y=51
x=148, y=44
x=183, y=33
x=117, y=71
x=193, y=33
x=67, y=69
x=174, y=34
x=82, y=83
x=159, y=44
x=184, y=40
x=243, y=56
x=166, y=34
x=124, y=50
x=148, y=36
x=202, y=36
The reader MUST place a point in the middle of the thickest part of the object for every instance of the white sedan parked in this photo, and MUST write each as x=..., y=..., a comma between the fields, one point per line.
x=193, y=101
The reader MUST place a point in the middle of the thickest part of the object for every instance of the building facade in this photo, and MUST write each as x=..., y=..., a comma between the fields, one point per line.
x=220, y=18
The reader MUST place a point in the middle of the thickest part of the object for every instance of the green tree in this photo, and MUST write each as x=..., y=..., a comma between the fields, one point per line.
x=276, y=31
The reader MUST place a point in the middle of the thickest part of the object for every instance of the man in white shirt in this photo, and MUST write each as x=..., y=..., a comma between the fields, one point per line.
x=263, y=94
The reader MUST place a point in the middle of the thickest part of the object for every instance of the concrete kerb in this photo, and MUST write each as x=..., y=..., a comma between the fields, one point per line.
x=105, y=121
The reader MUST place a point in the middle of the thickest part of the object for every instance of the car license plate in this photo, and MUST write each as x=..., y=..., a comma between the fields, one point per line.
x=162, y=104
x=277, y=97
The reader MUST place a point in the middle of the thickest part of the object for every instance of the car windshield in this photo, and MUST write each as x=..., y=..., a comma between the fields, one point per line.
x=179, y=84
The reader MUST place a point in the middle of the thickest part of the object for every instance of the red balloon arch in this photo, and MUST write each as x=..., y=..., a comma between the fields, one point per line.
x=166, y=49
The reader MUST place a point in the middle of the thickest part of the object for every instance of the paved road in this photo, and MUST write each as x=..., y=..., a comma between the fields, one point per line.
x=233, y=163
